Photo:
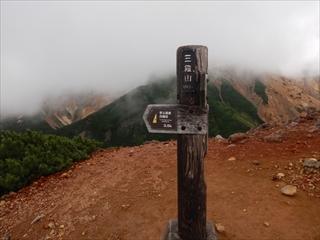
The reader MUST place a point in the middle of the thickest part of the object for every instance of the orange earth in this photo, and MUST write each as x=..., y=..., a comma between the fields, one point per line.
x=131, y=192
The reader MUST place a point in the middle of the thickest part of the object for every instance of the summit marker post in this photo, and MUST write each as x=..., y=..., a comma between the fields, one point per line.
x=189, y=119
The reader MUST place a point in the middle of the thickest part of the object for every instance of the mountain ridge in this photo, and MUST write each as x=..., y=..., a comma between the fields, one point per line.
x=237, y=100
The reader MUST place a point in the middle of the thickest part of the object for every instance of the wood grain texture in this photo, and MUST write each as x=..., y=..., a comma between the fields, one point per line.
x=192, y=149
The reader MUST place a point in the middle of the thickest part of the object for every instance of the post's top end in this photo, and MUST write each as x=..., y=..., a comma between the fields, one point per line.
x=192, y=47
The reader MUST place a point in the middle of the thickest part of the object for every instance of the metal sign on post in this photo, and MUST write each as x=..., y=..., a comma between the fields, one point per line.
x=188, y=119
x=176, y=118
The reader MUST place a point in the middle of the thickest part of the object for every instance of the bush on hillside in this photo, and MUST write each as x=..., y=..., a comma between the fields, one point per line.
x=28, y=156
x=260, y=90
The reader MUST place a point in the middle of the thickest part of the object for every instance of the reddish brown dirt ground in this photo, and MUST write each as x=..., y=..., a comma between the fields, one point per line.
x=131, y=192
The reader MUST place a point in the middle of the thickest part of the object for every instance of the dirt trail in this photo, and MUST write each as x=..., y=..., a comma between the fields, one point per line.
x=131, y=193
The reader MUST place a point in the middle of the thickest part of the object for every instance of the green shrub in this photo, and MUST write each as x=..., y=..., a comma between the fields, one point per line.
x=27, y=156
x=260, y=90
x=299, y=109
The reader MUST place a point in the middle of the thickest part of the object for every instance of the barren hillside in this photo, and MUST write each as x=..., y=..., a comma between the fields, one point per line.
x=131, y=193
x=67, y=109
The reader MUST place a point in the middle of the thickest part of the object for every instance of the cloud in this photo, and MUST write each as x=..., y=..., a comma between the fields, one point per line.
x=52, y=46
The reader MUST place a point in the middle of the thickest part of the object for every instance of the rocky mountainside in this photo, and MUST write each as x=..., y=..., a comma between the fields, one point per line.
x=58, y=111
x=277, y=98
x=67, y=109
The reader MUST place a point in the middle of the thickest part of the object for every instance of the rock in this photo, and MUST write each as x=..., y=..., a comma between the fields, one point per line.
x=266, y=126
x=36, y=219
x=311, y=162
x=61, y=226
x=46, y=225
x=275, y=136
x=292, y=124
x=237, y=137
x=244, y=210
x=64, y=175
x=8, y=236
x=218, y=137
x=315, y=127
x=12, y=193
x=289, y=190
x=125, y=207
x=220, y=228
x=2, y=203
x=278, y=176
x=51, y=225
x=266, y=224
x=309, y=170
x=232, y=159
x=231, y=145
x=310, y=165
x=256, y=162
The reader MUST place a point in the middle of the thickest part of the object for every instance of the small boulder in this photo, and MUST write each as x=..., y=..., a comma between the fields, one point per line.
x=220, y=228
x=289, y=190
x=64, y=175
x=237, y=137
x=256, y=162
x=51, y=225
x=218, y=137
x=311, y=162
x=276, y=136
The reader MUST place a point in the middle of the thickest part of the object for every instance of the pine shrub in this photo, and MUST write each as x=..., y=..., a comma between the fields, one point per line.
x=25, y=157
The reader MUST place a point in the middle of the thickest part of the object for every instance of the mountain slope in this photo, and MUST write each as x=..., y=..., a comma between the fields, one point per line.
x=57, y=112
x=20, y=123
x=121, y=124
x=67, y=109
x=238, y=101
x=276, y=97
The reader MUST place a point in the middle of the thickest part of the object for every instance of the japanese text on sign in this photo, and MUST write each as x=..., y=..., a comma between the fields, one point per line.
x=163, y=119
x=188, y=62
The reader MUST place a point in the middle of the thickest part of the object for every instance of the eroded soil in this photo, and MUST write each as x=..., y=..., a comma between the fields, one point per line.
x=131, y=193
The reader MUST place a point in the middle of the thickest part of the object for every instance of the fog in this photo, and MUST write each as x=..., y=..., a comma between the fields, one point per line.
x=49, y=47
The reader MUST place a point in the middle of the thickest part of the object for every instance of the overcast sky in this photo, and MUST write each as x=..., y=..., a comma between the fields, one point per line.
x=48, y=47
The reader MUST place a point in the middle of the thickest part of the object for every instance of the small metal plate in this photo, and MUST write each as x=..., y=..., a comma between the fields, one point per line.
x=176, y=118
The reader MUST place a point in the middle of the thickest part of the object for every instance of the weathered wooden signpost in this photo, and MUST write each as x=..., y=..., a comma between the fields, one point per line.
x=189, y=119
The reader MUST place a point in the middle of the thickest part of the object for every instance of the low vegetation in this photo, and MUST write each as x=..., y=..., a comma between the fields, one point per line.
x=28, y=156
x=229, y=111
x=299, y=109
x=260, y=90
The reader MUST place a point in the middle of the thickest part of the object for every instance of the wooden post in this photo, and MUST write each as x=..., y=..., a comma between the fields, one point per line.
x=192, y=68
